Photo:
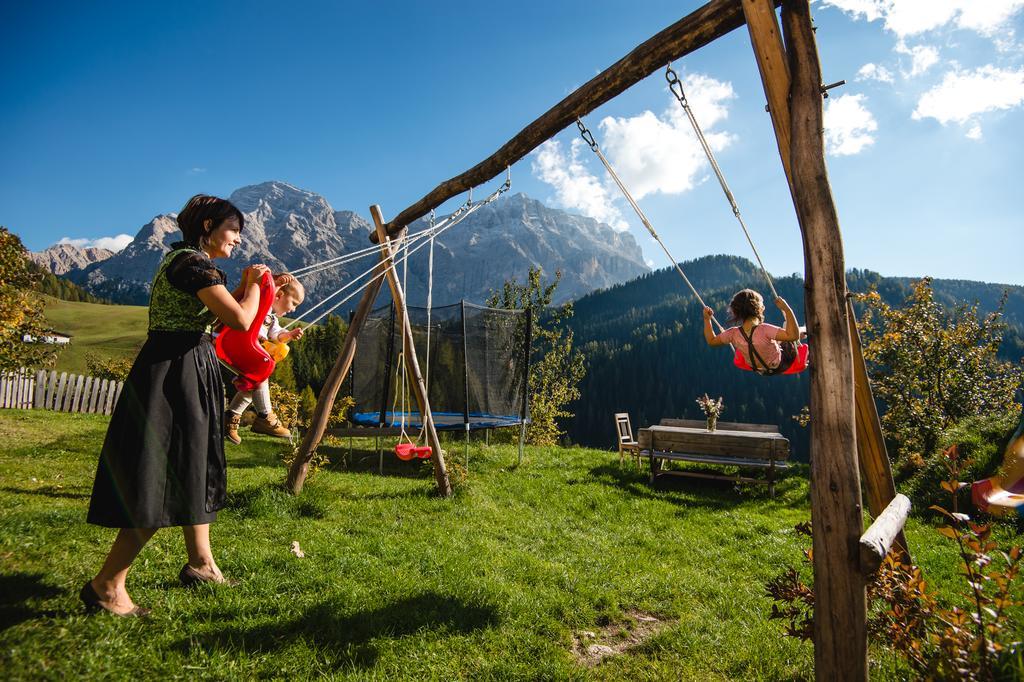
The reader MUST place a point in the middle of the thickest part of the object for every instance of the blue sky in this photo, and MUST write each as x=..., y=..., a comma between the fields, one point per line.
x=117, y=112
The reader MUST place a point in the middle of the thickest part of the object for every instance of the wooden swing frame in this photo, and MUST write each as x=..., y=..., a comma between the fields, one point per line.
x=846, y=436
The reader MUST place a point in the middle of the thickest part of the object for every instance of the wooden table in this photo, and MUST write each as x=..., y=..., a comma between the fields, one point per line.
x=732, y=444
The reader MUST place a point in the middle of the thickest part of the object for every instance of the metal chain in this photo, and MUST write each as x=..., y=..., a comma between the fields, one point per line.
x=588, y=137
x=676, y=87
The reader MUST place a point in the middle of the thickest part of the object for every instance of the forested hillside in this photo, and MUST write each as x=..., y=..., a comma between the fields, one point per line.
x=646, y=354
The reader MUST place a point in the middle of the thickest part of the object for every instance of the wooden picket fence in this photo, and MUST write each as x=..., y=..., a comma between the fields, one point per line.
x=42, y=390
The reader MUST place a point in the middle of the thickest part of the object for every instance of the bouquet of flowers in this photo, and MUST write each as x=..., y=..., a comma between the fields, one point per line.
x=711, y=408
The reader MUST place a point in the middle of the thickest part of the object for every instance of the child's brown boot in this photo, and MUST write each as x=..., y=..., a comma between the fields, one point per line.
x=231, y=423
x=270, y=426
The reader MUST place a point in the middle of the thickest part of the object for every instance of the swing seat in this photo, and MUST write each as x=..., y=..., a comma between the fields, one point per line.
x=798, y=365
x=405, y=451
x=276, y=349
x=241, y=350
x=410, y=451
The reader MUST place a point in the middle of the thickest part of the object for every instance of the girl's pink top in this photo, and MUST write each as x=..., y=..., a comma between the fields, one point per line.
x=764, y=343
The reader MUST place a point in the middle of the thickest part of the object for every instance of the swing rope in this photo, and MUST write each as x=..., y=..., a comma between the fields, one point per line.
x=402, y=389
x=430, y=299
x=451, y=221
x=588, y=137
x=675, y=85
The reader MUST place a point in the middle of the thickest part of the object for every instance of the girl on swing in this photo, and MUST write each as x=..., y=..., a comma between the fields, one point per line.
x=766, y=348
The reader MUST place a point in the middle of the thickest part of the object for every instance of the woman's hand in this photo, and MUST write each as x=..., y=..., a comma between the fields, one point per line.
x=708, y=313
x=254, y=273
x=781, y=304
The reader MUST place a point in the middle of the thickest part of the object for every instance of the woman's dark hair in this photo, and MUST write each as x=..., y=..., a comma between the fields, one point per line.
x=746, y=303
x=203, y=207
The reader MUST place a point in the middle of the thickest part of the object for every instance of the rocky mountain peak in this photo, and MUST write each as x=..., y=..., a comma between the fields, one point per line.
x=287, y=227
x=63, y=257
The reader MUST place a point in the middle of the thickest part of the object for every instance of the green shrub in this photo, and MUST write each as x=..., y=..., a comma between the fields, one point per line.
x=100, y=367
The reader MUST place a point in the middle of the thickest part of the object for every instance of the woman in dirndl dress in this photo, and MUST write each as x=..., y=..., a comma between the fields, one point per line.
x=162, y=462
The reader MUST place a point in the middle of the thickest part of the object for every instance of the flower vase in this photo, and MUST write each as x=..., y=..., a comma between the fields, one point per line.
x=712, y=424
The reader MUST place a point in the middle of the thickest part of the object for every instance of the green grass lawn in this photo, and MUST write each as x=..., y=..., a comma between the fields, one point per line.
x=110, y=331
x=496, y=582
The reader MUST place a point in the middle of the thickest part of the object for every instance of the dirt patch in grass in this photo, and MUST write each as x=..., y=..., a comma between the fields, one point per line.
x=591, y=647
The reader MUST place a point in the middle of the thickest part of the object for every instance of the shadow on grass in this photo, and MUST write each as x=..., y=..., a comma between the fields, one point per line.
x=699, y=492
x=15, y=590
x=368, y=462
x=273, y=500
x=353, y=640
x=48, y=491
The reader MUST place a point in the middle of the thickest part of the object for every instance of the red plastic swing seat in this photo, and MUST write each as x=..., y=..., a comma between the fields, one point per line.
x=409, y=451
x=799, y=364
x=242, y=352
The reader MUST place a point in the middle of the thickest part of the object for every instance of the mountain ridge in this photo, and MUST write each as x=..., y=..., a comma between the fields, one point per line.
x=288, y=227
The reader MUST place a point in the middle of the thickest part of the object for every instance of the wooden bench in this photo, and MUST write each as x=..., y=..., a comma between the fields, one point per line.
x=757, y=446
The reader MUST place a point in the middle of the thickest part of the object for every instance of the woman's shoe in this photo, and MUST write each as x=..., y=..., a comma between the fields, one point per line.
x=93, y=604
x=190, y=577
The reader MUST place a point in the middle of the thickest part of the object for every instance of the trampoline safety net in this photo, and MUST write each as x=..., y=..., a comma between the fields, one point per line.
x=474, y=360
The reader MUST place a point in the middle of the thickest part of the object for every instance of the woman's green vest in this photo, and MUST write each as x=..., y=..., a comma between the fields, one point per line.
x=174, y=310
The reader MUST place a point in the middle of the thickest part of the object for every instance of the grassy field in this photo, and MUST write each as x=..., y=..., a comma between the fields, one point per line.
x=500, y=582
x=111, y=331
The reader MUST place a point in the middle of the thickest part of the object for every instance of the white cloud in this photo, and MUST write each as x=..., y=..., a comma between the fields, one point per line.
x=196, y=170
x=655, y=154
x=575, y=186
x=874, y=72
x=987, y=16
x=964, y=94
x=848, y=125
x=650, y=153
x=913, y=17
x=923, y=57
x=115, y=243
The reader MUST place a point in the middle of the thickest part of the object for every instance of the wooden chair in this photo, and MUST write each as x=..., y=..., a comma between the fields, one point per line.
x=627, y=444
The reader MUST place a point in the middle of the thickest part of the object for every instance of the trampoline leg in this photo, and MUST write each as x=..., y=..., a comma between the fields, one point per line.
x=380, y=455
x=487, y=437
x=467, y=449
x=522, y=439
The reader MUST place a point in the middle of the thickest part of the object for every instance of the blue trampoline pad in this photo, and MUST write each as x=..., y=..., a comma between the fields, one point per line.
x=443, y=421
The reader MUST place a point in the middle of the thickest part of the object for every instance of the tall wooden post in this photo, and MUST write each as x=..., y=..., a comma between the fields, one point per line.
x=322, y=414
x=412, y=365
x=840, y=604
x=773, y=65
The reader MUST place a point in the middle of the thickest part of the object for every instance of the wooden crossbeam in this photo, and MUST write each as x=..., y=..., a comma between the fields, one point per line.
x=697, y=29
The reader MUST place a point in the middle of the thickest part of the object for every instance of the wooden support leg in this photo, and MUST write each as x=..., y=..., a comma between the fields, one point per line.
x=412, y=365
x=840, y=601
x=871, y=450
x=771, y=478
x=318, y=424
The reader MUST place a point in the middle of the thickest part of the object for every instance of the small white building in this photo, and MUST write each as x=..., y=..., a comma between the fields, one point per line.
x=49, y=336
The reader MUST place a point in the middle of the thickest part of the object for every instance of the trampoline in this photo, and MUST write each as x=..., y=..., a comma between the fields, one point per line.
x=475, y=362
x=443, y=421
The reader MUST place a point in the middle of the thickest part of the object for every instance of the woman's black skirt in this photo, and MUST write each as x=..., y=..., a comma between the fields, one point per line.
x=162, y=462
